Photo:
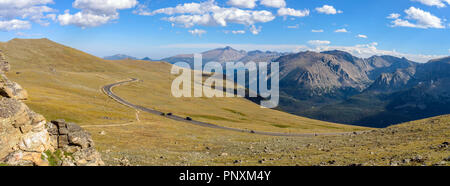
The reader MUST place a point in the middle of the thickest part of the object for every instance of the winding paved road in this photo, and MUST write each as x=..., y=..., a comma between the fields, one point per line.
x=108, y=91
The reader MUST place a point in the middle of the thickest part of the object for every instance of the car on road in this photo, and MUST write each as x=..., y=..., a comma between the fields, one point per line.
x=189, y=118
x=169, y=114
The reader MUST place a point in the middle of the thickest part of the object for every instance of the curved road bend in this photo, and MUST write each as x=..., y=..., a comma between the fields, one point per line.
x=108, y=91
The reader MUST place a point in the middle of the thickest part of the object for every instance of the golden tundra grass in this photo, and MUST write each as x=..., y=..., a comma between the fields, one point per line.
x=65, y=83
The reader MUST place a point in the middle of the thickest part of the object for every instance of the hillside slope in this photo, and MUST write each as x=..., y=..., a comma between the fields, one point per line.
x=66, y=82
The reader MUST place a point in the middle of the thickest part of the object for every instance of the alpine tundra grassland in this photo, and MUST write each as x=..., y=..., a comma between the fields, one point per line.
x=66, y=83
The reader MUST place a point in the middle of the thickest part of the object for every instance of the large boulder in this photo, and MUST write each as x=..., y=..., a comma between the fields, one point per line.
x=76, y=142
x=22, y=132
x=11, y=89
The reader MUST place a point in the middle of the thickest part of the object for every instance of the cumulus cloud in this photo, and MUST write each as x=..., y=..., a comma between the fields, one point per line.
x=318, y=42
x=368, y=50
x=197, y=32
x=95, y=12
x=274, y=3
x=328, y=9
x=186, y=8
x=317, y=31
x=236, y=32
x=208, y=13
x=292, y=12
x=342, y=30
x=26, y=10
x=255, y=30
x=14, y=24
x=362, y=36
x=419, y=18
x=191, y=20
x=242, y=3
x=437, y=3
x=393, y=16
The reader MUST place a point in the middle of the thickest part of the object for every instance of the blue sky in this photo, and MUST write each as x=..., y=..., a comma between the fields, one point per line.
x=417, y=29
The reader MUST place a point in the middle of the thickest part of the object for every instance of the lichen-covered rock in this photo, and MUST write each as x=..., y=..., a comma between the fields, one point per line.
x=12, y=89
x=76, y=142
x=4, y=65
x=23, y=135
x=22, y=158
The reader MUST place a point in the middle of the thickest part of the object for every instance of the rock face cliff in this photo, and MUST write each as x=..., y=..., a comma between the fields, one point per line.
x=26, y=138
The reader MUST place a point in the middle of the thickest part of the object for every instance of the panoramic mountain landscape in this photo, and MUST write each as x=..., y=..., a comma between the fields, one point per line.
x=121, y=133
x=113, y=83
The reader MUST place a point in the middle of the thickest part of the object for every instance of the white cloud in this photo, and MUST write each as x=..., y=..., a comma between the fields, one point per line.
x=239, y=16
x=362, y=36
x=14, y=24
x=238, y=32
x=422, y=19
x=104, y=6
x=342, y=30
x=437, y=3
x=95, y=12
x=32, y=10
x=274, y=3
x=393, y=16
x=197, y=32
x=191, y=20
x=292, y=12
x=235, y=31
x=186, y=8
x=317, y=31
x=294, y=26
x=368, y=50
x=242, y=3
x=85, y=19
x=209, y=14
x=327, y=9
x=318, y=42
x=255, y=30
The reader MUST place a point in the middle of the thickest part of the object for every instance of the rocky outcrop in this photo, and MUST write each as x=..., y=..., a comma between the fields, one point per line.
x=23, y=135
x=26, y=138
x=76, y=142
x=12, y=89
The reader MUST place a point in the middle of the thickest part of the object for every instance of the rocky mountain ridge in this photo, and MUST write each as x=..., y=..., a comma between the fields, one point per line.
x=227, y=54
x=377, y=92
x=120, y=57
x=333, y=73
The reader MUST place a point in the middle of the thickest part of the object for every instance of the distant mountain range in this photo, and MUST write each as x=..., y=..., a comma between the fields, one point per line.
x=338, y=87
x=123, y=57
x=227, y=54
x=378, y=91
x=119, y=57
